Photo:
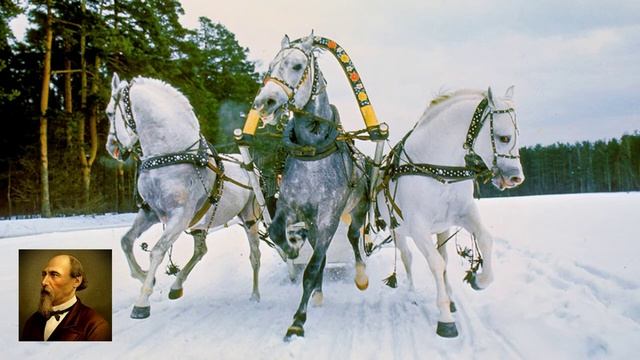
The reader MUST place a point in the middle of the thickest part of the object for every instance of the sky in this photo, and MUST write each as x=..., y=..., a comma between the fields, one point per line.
x=573, y=63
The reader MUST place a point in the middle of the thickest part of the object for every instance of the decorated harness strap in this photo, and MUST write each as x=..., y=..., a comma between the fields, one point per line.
x=205, y=156
x=200, y=158
x=474, y=169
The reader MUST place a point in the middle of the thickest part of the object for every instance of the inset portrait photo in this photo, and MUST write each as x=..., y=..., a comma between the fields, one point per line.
x=64, y=295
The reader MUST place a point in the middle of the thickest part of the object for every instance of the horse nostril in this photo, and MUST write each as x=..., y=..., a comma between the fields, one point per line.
x=516, y=179
x=270, y=102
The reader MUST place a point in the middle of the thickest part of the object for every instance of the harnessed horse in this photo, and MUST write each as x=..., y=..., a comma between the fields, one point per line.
x=321, y=180
x=184, y=183
x=468, y=135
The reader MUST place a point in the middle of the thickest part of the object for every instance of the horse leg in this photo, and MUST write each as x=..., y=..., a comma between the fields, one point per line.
x=277, y=230
x=309, y=279
x=142, y=307
x=357, y=219
x=317, y=296
x=485, y=244
x=442, y=249
x=406, y=257
x=143, y=221
x=199, y=250
x=446, y=323
x=251, y=228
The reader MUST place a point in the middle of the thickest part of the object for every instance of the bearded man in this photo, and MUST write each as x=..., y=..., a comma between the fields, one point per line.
x=61, y=316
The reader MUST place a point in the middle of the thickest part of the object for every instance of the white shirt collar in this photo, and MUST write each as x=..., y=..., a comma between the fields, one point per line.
x=53, y=323
x=66, y=304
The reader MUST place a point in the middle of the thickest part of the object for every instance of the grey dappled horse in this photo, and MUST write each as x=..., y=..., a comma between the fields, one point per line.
x=321, y=181
x=175, y=180
x=461, y=136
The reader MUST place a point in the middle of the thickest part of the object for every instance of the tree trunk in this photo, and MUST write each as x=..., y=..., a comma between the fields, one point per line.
x=86, y=160
x=45, y=205
x=68, y=95
x=9, y=191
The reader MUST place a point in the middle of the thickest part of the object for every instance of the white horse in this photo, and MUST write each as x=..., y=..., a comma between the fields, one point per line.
x=178, y=182
x=461, y=136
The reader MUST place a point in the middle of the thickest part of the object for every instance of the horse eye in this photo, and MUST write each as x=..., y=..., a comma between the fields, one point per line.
x=297, y=67
x=505, y=139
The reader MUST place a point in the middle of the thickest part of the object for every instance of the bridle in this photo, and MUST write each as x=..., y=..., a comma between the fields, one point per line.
x=475, y=167
x=291, y=90
x=122, y=102
x=477, y=121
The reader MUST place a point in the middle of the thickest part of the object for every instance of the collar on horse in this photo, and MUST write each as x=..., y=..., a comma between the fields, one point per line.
x=311, y=152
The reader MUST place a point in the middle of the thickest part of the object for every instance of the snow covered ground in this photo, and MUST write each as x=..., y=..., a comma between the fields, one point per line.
x=566, y=287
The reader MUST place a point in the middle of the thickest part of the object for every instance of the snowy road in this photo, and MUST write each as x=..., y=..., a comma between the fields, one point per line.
x=565, y=288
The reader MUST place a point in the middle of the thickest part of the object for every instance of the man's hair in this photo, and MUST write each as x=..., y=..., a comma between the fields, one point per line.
x=76, y=271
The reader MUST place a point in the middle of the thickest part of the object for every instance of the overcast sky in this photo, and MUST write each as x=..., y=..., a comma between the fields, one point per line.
x=574, y=64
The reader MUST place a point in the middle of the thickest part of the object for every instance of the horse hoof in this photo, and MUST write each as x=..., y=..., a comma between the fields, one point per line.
x=255, y=298
x=294, y=330
x=447, y=329
x=361, y=279
x=176, y=293
x=452, y=307
x=362, y=285
x=140, y=312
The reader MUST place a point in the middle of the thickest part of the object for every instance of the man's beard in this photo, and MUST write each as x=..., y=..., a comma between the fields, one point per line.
x=46, y=303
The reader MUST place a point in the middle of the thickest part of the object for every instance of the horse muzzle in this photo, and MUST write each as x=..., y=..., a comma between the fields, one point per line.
x=504, y=181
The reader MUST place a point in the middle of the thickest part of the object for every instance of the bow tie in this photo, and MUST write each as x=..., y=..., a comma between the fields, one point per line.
x=56, y=314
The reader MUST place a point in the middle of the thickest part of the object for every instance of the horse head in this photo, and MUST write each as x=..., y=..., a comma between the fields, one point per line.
x=122, y=137
x=497, y=143
x=290, y=81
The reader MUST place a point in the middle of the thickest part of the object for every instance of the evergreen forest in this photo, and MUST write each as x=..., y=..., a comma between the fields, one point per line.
x=55, y=84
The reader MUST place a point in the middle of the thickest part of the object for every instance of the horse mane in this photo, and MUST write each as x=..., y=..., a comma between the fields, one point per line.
x=170, y=91
x=445, y=99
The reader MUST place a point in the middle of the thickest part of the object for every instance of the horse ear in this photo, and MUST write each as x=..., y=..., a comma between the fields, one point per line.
x=285, y=42
x=509, y=93
x=307, y=43
x=490, y=98
x=115, y=81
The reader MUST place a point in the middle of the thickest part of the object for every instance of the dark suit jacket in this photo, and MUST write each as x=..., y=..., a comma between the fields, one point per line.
x=82, y=323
